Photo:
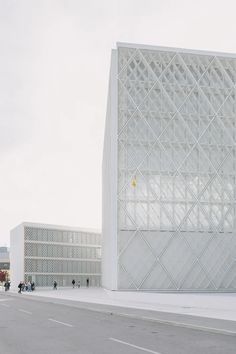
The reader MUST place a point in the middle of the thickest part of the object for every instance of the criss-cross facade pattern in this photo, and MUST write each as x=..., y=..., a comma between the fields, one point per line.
x=176, y=170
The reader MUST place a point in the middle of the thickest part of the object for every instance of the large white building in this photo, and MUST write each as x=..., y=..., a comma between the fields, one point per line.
x=46, y=253
x=169, y=170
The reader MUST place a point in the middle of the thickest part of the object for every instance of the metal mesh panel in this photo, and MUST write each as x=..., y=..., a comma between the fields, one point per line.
x=60, y=266
x=62, y=255
x=49, y=235
x=176, y=170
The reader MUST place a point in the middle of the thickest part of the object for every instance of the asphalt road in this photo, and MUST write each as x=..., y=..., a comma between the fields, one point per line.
x=35, y=326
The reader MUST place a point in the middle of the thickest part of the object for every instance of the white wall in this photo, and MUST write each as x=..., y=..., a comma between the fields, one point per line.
x=109, y=185
x=17, y=255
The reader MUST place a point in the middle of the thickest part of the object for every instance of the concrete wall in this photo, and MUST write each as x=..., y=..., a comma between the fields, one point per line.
x=17, y=255
x=109, y=182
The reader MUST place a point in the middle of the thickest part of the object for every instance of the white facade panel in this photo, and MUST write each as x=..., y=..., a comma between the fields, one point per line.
x=109, y=215
x=17, y=255
x=176, y=170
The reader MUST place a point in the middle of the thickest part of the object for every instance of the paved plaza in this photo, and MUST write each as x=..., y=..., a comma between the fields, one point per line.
x=219, y=306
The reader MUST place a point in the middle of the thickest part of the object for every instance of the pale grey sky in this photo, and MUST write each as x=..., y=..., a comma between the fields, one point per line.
x=54, y=66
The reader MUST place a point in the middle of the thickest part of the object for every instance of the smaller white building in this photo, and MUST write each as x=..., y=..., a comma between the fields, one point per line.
x=46, y=253
x=4, y=259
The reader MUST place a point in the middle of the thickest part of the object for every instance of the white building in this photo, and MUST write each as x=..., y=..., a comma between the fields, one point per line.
x=4, y=259
x=169, y=170
x=44, y=253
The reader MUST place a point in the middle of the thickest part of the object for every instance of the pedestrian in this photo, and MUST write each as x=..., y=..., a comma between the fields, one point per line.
x=33, y=286
x=55, y=285
x=73, y=283
x=29, y=286
x=20, y=287
x=8, y=285
x=79, y=284
x=5, y=286
x=87, y=281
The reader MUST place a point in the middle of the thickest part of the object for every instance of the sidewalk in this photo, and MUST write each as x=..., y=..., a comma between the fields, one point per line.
x=218, y=306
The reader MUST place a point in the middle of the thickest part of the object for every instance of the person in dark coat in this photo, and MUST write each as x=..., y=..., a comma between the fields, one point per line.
x=87, y=281
x=55, y=285
x=73, y=283
x=20, y=287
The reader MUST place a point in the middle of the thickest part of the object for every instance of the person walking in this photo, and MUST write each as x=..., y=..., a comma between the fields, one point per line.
x=79, y=284
x=7, y=285
x=20, y=287
x=55, y=285
x=29, y=286
x=73, y=283
x=87, y=281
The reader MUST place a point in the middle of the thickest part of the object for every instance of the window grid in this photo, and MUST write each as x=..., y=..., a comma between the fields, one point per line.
x=62, y=256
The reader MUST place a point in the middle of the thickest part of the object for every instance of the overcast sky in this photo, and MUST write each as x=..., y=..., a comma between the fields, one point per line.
x=54, y=66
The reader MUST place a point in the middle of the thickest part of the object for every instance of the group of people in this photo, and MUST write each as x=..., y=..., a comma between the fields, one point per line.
x=73, y=284
x=78, y=284
x=30, y=286
x=27, y=286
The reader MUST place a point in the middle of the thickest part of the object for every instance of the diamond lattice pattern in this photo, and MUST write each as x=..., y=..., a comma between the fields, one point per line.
x=176, y=171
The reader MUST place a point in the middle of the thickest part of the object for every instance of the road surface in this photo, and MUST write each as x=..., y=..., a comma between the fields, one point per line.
x=33, y=325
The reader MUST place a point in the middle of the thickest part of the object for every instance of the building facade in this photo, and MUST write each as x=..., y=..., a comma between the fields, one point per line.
x=169, y=170
x=5, y=261
x=46, y=253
